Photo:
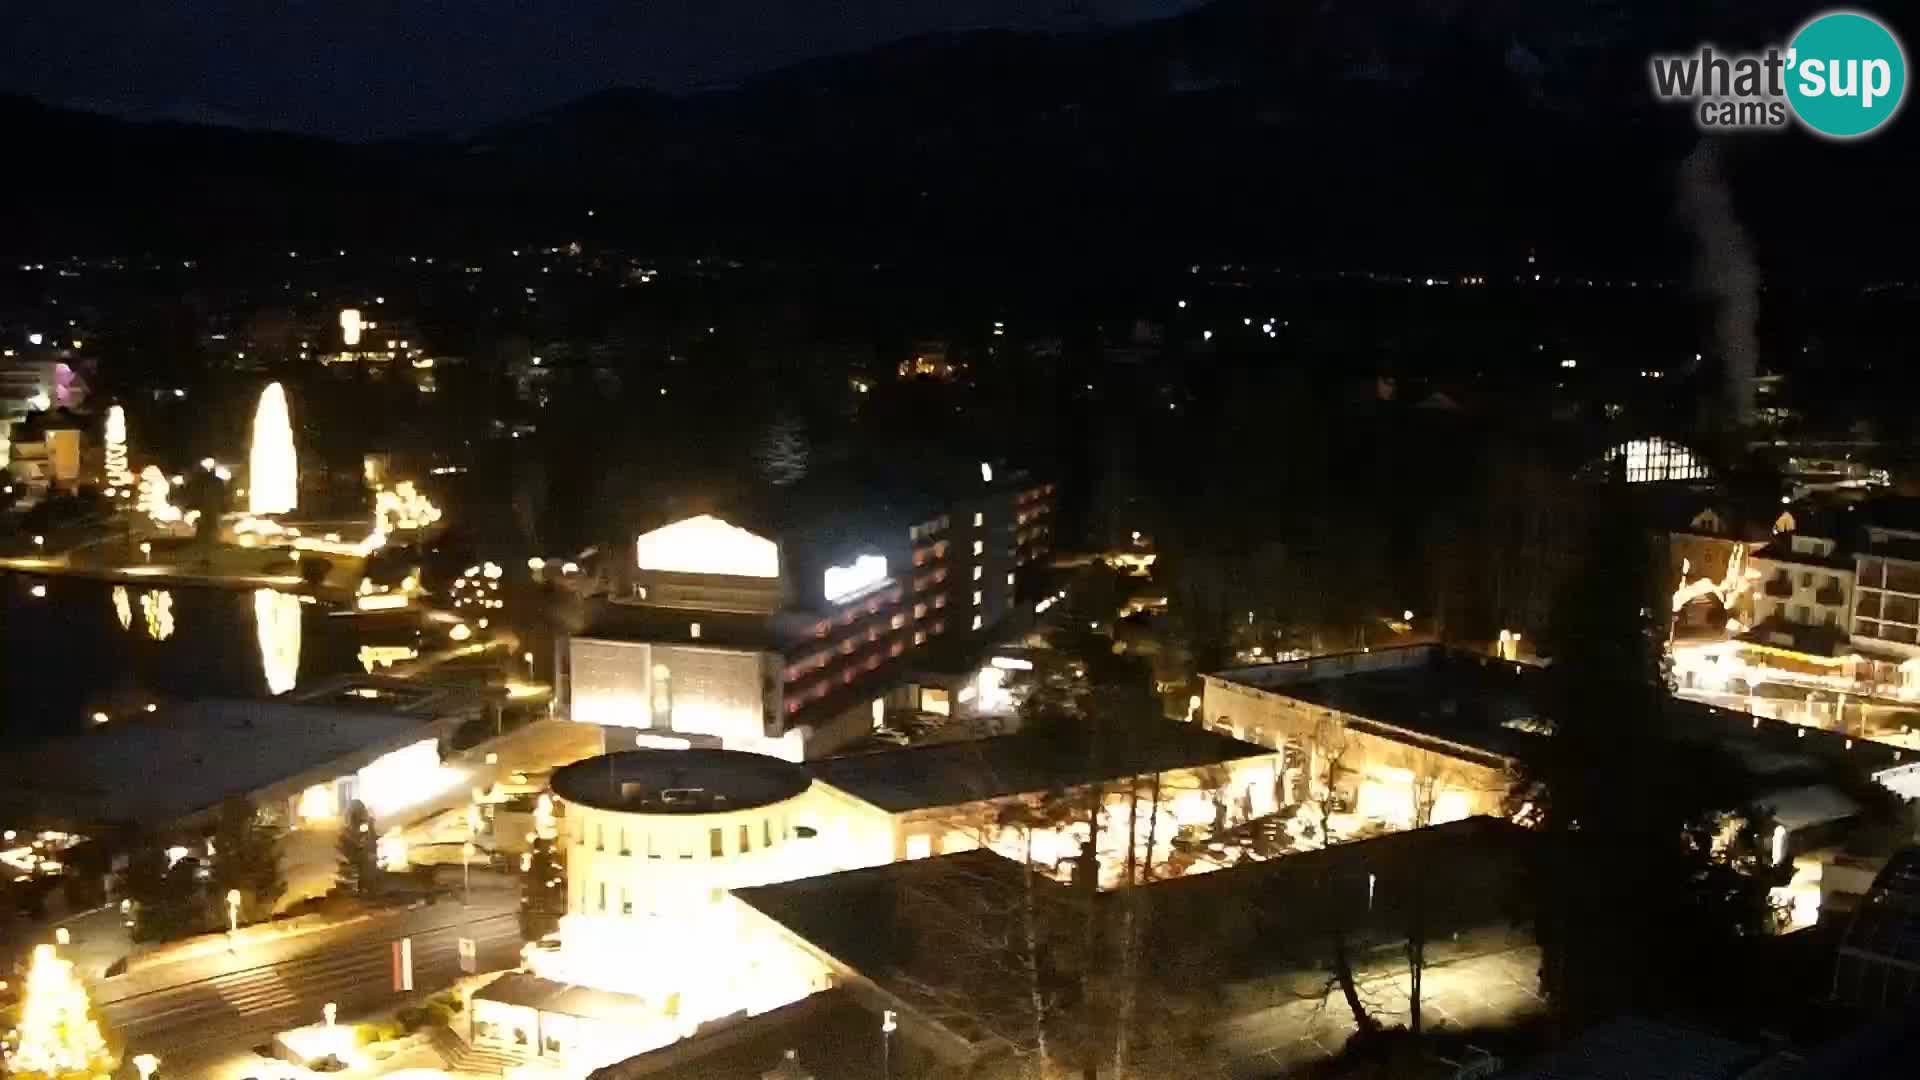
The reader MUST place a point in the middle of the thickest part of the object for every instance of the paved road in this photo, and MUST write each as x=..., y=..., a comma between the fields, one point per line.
x=238, y=1008
x=1466, y=991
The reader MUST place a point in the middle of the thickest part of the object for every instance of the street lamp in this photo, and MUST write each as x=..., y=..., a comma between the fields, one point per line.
x=888, y=1024
x=146, y=1063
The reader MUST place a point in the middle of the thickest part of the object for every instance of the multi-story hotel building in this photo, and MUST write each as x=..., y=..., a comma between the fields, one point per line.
x=785, y=630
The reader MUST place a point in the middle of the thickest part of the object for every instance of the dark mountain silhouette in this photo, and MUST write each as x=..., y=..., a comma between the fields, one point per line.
x=1455, y=133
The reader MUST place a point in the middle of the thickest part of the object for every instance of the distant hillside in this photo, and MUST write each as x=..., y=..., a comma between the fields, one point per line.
x=1334, y=133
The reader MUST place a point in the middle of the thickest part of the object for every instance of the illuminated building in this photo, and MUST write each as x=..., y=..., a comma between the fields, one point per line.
x=915, y=802
x=302, y=759
x=50, y=451
x=1427, y=732
x=273, y=485
x=780, y=638
x=1802, y=590
x=655, y=841
x=1650, y=460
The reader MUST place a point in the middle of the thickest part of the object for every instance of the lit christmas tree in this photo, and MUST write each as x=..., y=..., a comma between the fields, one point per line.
x=152, y=500
x=118, y=475
x=57, y=1036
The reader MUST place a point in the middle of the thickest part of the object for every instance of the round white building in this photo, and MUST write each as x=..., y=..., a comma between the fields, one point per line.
x=667, y=832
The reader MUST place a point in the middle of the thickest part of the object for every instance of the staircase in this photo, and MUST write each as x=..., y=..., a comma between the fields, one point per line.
x=459, y=1054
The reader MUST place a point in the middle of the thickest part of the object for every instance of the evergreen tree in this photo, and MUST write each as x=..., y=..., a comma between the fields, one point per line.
x=543, y=888
x=359, y=845
x=247, y=857
x=165, y=897
x=58, y=1037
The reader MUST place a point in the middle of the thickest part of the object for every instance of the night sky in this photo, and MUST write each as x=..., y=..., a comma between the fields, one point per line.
x=361, y=69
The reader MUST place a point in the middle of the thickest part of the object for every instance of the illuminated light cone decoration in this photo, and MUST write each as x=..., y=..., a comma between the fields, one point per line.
x=153, y=496
x=272, y=472
x=57, y=1035
x=118, y=475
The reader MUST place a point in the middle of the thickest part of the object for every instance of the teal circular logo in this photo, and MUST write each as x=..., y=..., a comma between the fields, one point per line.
x=1846, y=74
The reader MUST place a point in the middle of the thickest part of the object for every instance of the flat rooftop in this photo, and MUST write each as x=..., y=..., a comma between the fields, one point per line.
x=1498, y=707
x=1463, y=698
x=692, y=781
x=893, y=926
x=947, y=774
x=190, y=757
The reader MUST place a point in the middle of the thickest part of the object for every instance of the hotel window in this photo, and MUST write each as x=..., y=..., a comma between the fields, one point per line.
x=979, y=519
x=746, y=838
x=919, y=611
x=873, y=633
x=894, y=649
x=897, y=621
x=1009, y=579
x=624, y=849
x=977, y=571
x=976, y=622
x=716, y=845
x=979, y=546
x=766, y=832
x=919, y=637
x=940, y=601
x=846, y=647
x=976, y=598
x=920, y=557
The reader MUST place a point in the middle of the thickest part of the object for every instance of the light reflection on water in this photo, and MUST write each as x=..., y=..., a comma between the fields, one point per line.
x=276, y=617
x=91, y=646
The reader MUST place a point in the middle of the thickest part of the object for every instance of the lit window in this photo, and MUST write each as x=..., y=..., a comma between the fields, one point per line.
x=940, y=601
x=919, y=847
x=976, y=598
x=979, y=546
x=977, y=571
x=716, y=845
x=1009, y=579
x=919, y=637
x=897, y=621
x=919, y=611
x=746, y=839
x=979, y=519
x=976, y=622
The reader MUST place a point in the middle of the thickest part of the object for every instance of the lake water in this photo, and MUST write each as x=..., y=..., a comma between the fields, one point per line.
x=91, y=646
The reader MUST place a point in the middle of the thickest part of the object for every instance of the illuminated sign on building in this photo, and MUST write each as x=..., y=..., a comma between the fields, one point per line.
x=847, y=582
x=707, y=545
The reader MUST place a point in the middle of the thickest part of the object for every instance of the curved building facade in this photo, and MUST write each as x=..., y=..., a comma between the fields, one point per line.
x=664, y=832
